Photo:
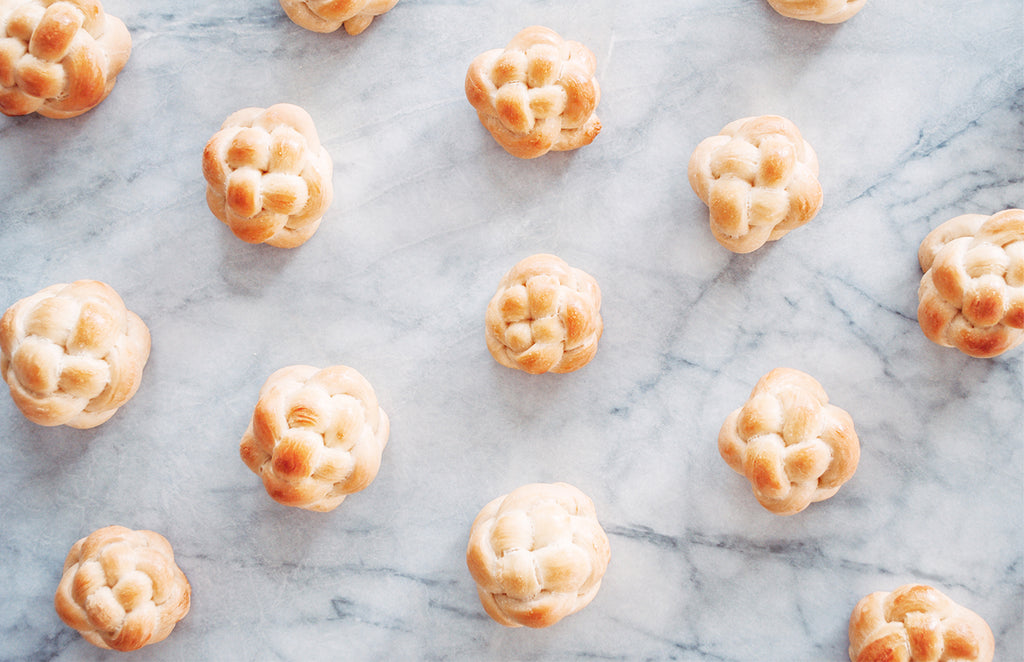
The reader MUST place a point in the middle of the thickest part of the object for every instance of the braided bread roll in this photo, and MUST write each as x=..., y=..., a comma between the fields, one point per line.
x=72, y=354
x=537, y=554
x=820, y=11
x=536, y=95
x=58, y=59
x=917, y=623
x=759, y=179
x=329, y=15
x=268, y=177
x=316, y=436
x=121, y=589
x=972, y=293
x=791, y=444
x=545, y=317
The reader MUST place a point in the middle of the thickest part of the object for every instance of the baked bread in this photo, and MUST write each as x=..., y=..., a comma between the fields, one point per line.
x=536, y=95
x=917, y=623
x=537, y=554
x=820, y=11
x=972, y=293
x=545, y=317
x=121, y=589
x=791, y=444
x=58, y=59
x=329, y=15
x=72, y=354
x=268, y=176
x=759, y=179
x=315, y=436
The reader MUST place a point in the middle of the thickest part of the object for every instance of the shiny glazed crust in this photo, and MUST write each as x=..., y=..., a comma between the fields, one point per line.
x=791, y=444
x=316, y=436
x=544, y=317
x=268, y=177
x=58, y=59
x=972, y=293
x=329, y=15
x=537, y=554
x=820, y=11
x=121, y=589
x=917, y=623
x=759, y=179
x=72, y=354
x=536, y=95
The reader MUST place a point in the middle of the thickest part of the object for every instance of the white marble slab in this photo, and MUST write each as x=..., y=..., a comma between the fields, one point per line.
x=915, y=110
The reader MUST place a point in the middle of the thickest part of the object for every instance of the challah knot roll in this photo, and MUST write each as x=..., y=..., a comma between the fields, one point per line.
x=58, y=59
x=537, y=94
x=544, y=317
x=72, y=354
x=329, y=15
x=537, y=554
x=972, y=293
x=790, y=443
x=820, y=11
x=268, y=177
x=917, y=623
x=316, y=436
x=759, y=179
x=121, y=589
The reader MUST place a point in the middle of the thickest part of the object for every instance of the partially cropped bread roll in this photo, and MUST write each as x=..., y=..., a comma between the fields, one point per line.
x=268, y=177
x=316, y=436
x=537, y=94
x=820, y=11
x=537, y=554
x=72, y=354
x=58, y=59
x=121, y=589
x=759, y=179
x=544, y=317
x=917, y=623
x=791, y=444
x=329, y=15
x=972, y=293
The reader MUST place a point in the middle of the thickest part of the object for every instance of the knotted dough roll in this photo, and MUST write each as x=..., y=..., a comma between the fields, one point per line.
x=59, y=59
x=820, y=11
x=537, y=554
x=121, y=589
x=329, y=15
x=72, y=354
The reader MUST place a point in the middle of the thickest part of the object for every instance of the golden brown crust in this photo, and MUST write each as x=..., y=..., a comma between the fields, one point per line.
x=72, y=354
x=972, y=293
x=537, y=554
x=268, y=177
x=536, y=95
x=121, y=589
x=544, y=317
x=329, y=15
x=917, y=623
x=316, y=436
x=820, y=11
x=759, y=179
x=59, y=59
x=790, y=443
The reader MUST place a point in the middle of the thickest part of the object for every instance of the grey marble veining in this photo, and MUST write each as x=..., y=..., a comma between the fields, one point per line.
x=916, y=111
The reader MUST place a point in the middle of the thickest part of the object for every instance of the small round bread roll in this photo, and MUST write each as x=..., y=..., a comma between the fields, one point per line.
x=315, y=436
x=972, y=293
x=537, y=554
x=59, y=59
x=329, y=15
x=820, y=11
x=72, y=354
x=917, y=623
x=121, y=589
x=791, y=444
x=537, y=94
x=759, y=179
x=268, y=177
x=545, y=317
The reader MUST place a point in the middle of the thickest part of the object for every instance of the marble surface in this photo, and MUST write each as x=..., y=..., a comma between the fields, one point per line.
x=915, y=110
